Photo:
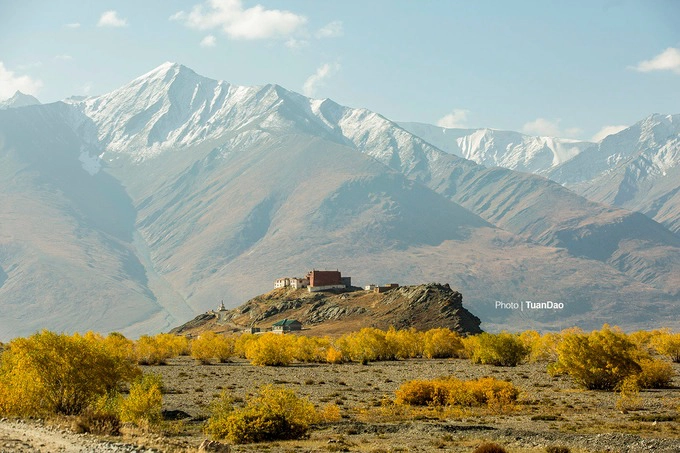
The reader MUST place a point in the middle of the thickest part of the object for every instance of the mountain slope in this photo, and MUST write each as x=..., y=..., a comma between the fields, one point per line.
x=636, y=169
x=65, y=241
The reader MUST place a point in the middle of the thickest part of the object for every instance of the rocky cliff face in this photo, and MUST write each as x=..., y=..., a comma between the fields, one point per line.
x=421, y=307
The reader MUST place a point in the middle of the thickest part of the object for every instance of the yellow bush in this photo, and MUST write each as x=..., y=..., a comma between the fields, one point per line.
x=310, y=349
x=367, y=345
x=497, y=395
x=542, y=348
x=210, y=345
x=598, y=360
x=441, y=343
x=242, y=342
x=143, y=405
x=629, y=394
x=150, y=351
x=274, y=413
x=405, y=344
x=330, y=413
x=334, y=355
x=501, y=349
x=175, y=345
x=655, y=374
x=271, y=349
x=49, y=373
x=668, y=344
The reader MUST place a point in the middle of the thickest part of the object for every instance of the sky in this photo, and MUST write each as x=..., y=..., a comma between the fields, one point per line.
x=575, y=69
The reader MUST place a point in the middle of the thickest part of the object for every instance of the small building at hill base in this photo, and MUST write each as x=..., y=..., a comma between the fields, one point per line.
x=286, y=325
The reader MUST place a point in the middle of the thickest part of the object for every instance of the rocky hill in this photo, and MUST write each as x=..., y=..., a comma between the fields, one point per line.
x=333, y=313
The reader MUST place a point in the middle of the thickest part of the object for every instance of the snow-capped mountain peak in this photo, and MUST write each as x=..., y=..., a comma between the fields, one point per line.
x=19, y=99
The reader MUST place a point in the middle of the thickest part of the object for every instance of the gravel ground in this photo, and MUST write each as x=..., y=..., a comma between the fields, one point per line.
x=552, y=412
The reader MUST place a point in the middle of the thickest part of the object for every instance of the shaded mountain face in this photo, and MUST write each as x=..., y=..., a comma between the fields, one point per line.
x=176, y=191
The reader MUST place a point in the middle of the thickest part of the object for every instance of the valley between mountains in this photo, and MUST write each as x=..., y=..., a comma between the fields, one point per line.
x=136, y=210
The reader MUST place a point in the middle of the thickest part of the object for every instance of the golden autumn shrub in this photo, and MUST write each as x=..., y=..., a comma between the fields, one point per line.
x=406, y=343
x=271, y=349
x=210, y=345
x=143, y=404
x=668, y=344
x=598, y=360
x=150, y=351
x=310, y=349
x=490, y=392
x=441, y=343
x=500, y=349
x=273, y=413
x=655, y=374
x=366, y=345
x=49, y=373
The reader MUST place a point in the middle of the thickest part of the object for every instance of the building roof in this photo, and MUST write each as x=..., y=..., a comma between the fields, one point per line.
x=285, y=322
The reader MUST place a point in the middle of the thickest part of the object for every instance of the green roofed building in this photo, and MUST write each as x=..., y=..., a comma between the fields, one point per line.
x=286, y=325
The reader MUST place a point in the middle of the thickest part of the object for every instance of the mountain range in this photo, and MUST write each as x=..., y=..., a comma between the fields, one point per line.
x=137, y=209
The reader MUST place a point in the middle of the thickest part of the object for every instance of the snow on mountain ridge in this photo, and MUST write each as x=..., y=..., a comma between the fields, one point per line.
x=497, y=148
x=172, y=107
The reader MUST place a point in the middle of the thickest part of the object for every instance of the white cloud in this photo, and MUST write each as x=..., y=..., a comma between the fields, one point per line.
x=111, y=19
x=86, y=88
x=331, y=30
x=208, y=41
x=73, y=25
x=606, y=131
x=10, y=83
x=63, y=57
x=239, y=23
x=668, y=60
x=455, y=119
x=293, y=43
x=318, y=79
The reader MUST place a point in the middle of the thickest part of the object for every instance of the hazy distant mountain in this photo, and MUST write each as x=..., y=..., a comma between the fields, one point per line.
x=18, y=100
x=636, y=169
x=494, y=148
x=139, y=208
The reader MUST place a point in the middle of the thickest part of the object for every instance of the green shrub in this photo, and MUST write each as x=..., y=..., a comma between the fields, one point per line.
x=274, y=413
x=49, y=373
x=501, y=349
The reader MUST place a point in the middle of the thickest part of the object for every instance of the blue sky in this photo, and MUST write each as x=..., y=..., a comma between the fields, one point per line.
x=566, y=68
